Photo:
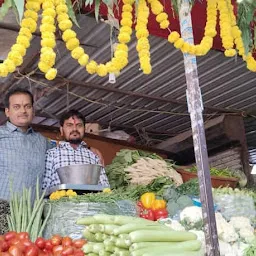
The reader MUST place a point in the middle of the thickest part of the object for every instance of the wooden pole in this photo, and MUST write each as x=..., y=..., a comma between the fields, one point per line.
x=195, y=108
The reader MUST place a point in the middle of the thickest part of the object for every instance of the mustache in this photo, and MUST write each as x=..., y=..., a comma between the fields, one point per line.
x=74, y=132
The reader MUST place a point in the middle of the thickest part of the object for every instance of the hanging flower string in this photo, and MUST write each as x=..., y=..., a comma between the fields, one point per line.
x=120, y=59
x=48, y=42
x=19, y=49
x=230, y=34
x=142, y=34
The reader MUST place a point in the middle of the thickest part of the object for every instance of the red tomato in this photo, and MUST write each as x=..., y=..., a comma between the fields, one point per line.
x=10, y=235
x=1, y=237
x=56, y=240
x=66, y=241
x=26, y=242
x=48, y=245
x=67, y=251
x=79, y=243
x=4, y=246
x=31, y=251
x=23, y=235
x=15, y=251
x=78, y=253
x=5, y=254
x=40, y=242
x=57, y=249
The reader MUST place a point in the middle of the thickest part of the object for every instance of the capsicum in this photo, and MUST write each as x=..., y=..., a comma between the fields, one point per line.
x=159, y=204
x=160, y=214
x=147, y=214
x=147, y=199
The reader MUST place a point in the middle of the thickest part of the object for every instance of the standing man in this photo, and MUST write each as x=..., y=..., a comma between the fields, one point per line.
x=72, y=151
x=22, y=150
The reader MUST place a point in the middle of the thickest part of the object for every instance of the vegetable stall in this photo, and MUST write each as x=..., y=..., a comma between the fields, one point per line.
x=149, y=210
x=160, y=215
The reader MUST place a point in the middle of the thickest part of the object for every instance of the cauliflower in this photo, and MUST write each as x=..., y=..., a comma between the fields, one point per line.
x=240, y=222
x=247, y=234
x=191, y=217
x=225, y=248
x=226, y=231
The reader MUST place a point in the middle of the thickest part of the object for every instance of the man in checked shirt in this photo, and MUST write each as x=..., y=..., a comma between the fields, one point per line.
x=72, y=151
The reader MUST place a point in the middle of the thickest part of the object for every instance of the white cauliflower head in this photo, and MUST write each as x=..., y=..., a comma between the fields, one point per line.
x=240, y=222
x=192, y=214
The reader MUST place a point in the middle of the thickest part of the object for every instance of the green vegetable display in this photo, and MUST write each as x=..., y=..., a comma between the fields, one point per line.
x=116, y=170
x=135, y=237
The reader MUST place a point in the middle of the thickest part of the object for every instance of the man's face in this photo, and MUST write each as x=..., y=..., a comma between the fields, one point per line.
x=20, y=110
x=73, y=130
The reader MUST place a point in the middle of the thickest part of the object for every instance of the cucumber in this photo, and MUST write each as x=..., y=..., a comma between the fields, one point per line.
x=161, y=236
x=86, y=221
x=192, y=245
x=89, y=236
x=94, y=228
x=108, y=229
x=171, y=253
x=121, y=243
x=161, y=250
x=128, y=228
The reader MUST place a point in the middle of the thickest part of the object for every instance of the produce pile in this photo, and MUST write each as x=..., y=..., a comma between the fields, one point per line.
x=135, y=167
x=19, y=244
x=124, y=236
x=236, y=236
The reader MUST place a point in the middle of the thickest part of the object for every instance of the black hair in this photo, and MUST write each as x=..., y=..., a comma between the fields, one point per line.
x=17, y=91
x=71, y=113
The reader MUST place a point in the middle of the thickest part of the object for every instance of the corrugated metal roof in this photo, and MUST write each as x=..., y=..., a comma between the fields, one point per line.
x=225, y=83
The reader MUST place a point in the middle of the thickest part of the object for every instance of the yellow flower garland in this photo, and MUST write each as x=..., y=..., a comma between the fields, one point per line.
x=48, y=42
x=229, y=31
x=18, y=50
x=120, y=59
x=142, y=34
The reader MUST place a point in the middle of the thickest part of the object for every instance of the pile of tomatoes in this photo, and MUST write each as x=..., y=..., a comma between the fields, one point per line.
x=19, y=244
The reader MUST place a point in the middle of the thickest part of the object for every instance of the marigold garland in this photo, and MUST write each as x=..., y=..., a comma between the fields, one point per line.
x=48, y=42
x=230, y=33
x=18, y=50
x=142, y=34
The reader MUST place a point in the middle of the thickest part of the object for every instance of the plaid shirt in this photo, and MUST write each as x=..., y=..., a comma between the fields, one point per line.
x=64, y=155
x=22, y=158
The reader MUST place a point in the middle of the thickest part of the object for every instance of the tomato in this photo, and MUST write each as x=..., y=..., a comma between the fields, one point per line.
x=15, y=251
x=66, y=241
x=78, y=253
x=56, y=240
x=48, y=245
x=23, y=235
x=31, y=251
x=79, y=243
x=1, y=237
x=40, y=242
x=5, y=254
x=4, y=246
x=67, y=251
x=57, y=249
x=10, y=235
x=26, y=242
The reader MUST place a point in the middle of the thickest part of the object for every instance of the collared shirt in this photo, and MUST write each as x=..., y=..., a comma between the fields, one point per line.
x=65, y=155
x=22, y=158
